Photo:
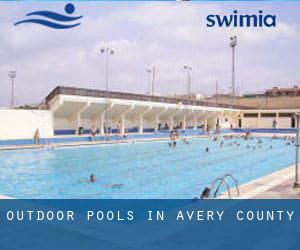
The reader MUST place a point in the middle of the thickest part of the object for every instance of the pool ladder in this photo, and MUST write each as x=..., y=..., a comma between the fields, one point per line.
x=223, y=180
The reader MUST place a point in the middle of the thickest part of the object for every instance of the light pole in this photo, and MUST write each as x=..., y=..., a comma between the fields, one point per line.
x=153, y=71
x=297, y=182
x=188, y=69
x=149, y=72
x=12, y=75
x=107, y=51
x=153, y=79
x=217, y=91
x=233, y=44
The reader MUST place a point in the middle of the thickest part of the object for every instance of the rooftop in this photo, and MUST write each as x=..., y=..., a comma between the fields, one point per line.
x=60, y=90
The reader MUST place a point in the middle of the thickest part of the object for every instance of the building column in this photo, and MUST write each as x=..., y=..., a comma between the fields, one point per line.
x=123, y=120
x=258, y=119
x=277, y=119
x=184, y=122
x=242, y=119
x=205, y=123
x=157, y=118
x=78, y=122
x=195, y=122
x=156, y=122
x=141, y=124
x=101, y=128
x=77, y=116
x=141, y=119
x=171, y=122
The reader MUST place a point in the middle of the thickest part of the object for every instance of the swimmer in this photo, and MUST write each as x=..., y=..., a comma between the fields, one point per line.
x=174, y=144
x=207, y=149
x=93, y=178
x=185, y=141
x=270, y=147
x=248, y=146
x=117, y=185
x=205, y=193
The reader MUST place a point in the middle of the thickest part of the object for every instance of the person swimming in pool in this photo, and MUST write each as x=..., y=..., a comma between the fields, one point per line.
x=207, y=149
x=172, y=144
x=93, y=178
x=205, y=194
x=185, y=141
x=116, y=185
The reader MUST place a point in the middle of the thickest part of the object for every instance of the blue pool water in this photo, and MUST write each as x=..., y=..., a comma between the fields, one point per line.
x=147, y=170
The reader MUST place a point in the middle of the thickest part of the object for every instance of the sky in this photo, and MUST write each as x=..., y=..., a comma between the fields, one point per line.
x=144, y=34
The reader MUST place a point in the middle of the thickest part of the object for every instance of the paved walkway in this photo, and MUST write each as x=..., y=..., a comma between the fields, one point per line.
x=278, y=185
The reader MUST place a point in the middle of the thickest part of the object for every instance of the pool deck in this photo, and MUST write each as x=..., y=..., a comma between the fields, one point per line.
x=277, y=185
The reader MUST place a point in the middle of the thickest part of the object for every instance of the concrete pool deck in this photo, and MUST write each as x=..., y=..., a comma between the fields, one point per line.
x=277, y=185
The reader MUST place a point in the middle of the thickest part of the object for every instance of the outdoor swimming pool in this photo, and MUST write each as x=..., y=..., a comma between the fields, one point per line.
x=147, y=170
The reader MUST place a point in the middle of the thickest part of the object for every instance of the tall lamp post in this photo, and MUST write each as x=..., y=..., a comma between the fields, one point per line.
x=149, y=72
x=233, y=44
x=108, y=52
x=297, y=182
x=12, y=75
x=153, y=72
x=188, y=70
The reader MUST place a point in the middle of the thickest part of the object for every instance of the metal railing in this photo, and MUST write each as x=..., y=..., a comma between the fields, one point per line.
x=60, y=90
x=220, y=182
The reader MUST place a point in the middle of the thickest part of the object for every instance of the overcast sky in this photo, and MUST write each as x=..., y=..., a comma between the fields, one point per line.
x=167, y=35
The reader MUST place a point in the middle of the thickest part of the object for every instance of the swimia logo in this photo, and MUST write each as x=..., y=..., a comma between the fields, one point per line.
x=239, y=20
x=52, y=19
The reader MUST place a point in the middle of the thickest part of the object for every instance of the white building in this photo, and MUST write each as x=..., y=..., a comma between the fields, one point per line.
x=70, y=109
x=74, y=108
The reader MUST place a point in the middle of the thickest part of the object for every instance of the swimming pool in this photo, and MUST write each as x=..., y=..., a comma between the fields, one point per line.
x=147, y=170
